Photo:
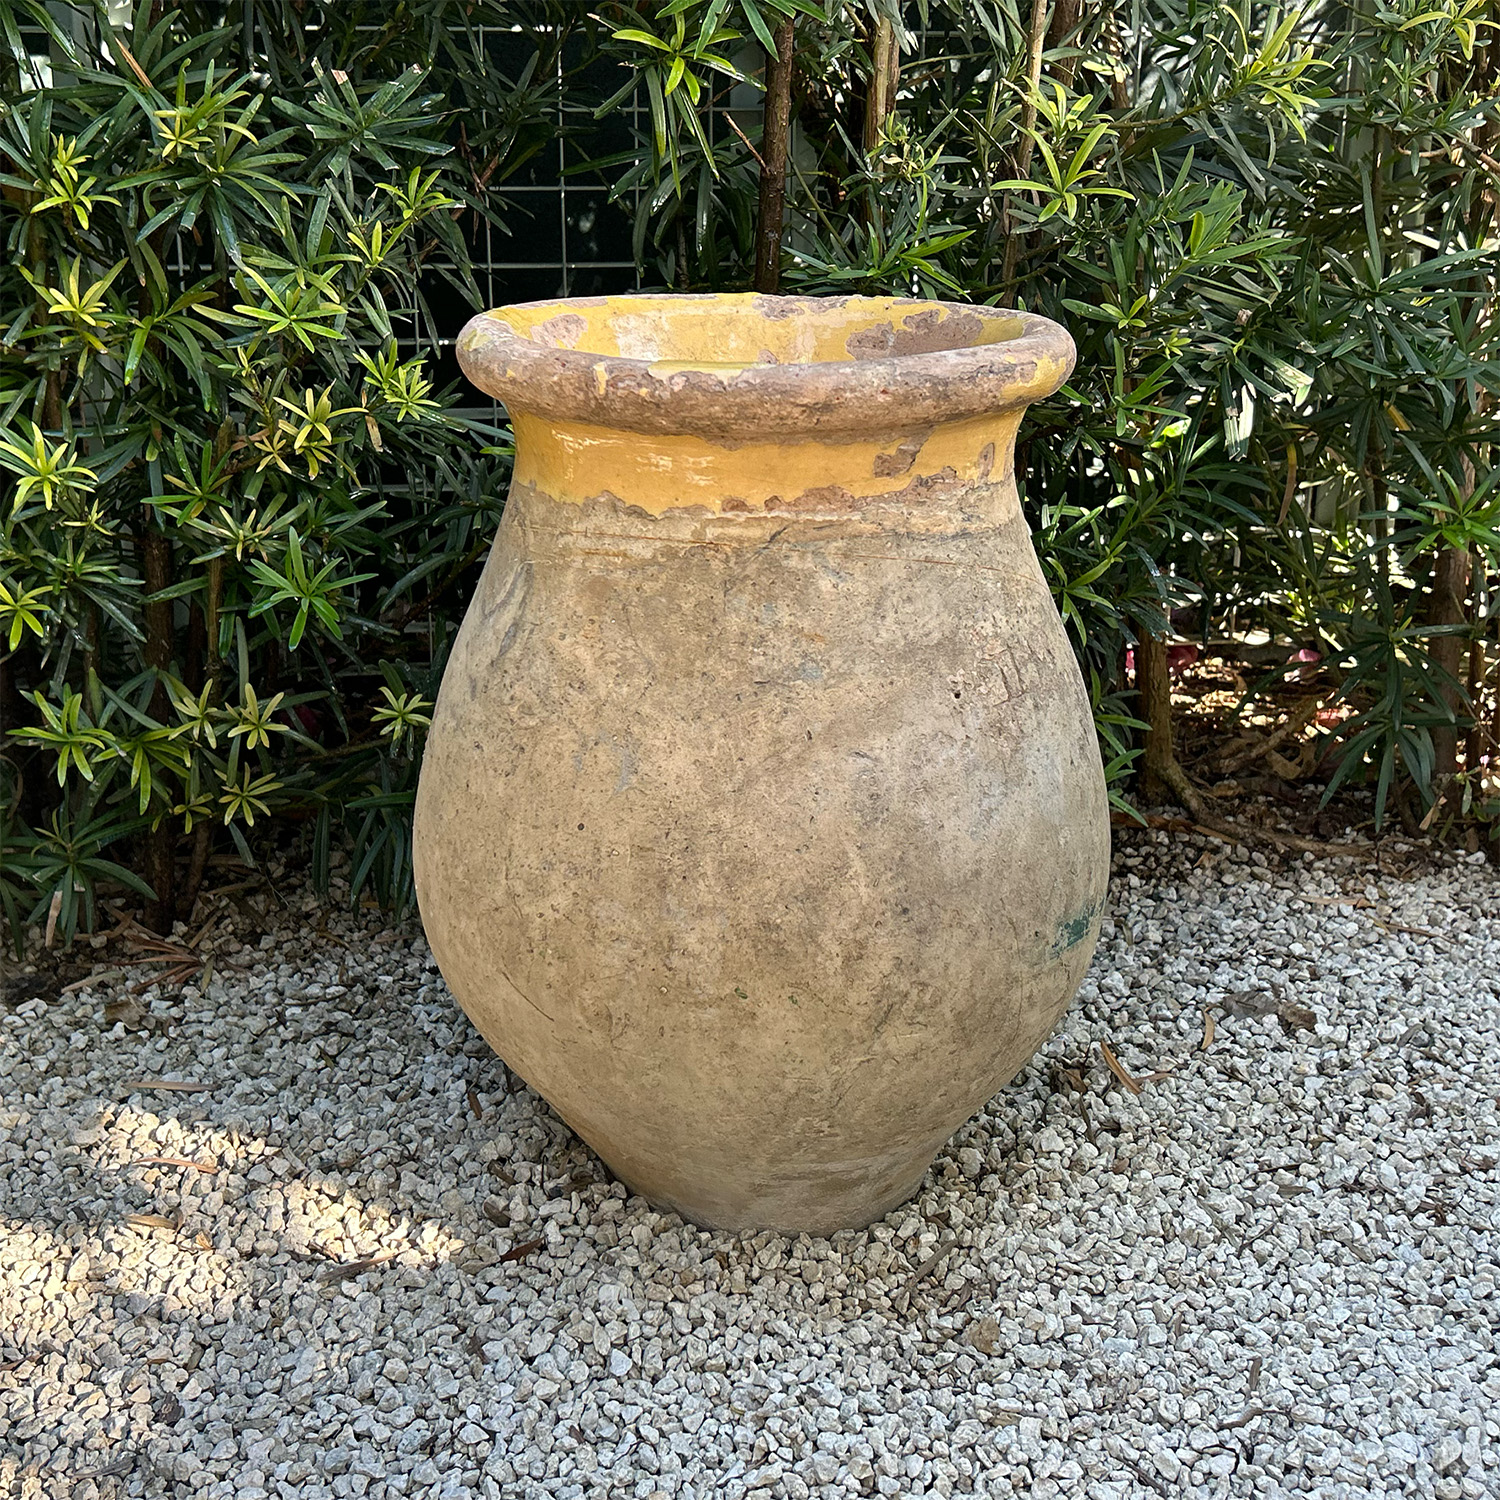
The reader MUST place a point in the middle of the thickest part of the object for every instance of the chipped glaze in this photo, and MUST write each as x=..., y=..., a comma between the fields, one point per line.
x=656, y=472
x=762, y=826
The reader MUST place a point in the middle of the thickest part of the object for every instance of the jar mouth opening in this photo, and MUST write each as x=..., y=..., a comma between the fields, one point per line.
x=743, y=365
x=745, y=331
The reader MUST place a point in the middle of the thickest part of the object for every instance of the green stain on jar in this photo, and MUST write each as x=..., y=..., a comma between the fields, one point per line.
x=1073, y=930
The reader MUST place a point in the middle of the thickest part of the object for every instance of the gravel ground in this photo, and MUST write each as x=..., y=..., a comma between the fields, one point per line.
x=1249, y=1249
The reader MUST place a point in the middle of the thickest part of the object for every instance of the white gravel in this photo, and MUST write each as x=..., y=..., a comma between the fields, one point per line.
x=1270, y=1272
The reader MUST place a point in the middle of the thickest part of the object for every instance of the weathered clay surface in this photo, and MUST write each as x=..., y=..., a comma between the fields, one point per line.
x=762, y=827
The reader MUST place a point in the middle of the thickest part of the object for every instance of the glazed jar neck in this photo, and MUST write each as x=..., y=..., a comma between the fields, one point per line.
x=961, y=467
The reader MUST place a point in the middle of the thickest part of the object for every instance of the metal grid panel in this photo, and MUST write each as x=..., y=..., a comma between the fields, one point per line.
x=553, y=230
x=555, y=233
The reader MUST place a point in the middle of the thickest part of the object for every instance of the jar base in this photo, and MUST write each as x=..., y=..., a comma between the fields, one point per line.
x=819, y=1200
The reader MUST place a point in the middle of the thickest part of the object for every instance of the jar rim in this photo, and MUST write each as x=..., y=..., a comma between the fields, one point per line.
x=818, y=366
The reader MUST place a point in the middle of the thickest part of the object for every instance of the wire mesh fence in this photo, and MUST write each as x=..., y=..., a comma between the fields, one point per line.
x=553, y=228
x=557, y=227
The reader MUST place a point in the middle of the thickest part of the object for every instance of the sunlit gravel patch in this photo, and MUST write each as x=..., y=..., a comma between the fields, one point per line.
x=1233, y=1232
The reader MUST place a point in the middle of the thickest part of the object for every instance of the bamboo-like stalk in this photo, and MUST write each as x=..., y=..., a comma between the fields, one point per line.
x=1153, y=682
x=885, y=75
x=1036, y=33
x=1447, y=605
x=1453, y=567
x=773, y=151
x=1474, y=740
x=1066, y=15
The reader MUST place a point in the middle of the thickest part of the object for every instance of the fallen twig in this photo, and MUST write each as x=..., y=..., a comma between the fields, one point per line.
x=152, y=1221
x=346, y=1270
x=1143, y=1474
x=96, y=978
x=116, y=1467
x=1243, y=833
x=1425, y=932
x=944, y=1248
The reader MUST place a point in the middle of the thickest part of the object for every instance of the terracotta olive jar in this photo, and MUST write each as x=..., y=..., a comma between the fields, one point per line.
x=762, y=827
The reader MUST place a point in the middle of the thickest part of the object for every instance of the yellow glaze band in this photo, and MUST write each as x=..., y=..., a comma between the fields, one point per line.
x=656, y=473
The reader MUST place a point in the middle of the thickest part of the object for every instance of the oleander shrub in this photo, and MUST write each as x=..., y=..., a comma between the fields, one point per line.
x=241, y=510
x=1272, y=232
x=237, y=519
